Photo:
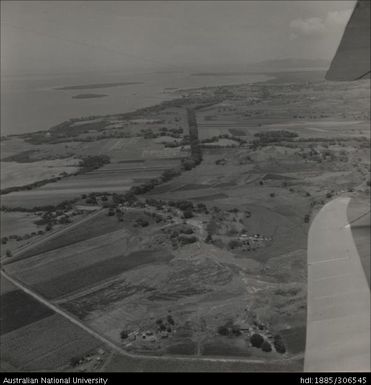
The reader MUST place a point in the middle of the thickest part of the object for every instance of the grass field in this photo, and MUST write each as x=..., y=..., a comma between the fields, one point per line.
x=183, y=348
x=17, y=223
x=19, y=174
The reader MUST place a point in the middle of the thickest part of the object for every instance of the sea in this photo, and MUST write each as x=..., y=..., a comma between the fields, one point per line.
x=32, y=103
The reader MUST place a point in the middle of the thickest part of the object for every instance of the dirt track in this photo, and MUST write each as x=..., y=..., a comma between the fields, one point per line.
x=128, y=362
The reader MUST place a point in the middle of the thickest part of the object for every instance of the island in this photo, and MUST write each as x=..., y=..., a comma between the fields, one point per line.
x=96, y=85
x=88, y=96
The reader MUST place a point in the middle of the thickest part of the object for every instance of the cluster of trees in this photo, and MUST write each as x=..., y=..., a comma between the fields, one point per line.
x=148, y=133
x=234, y=244
x=258, y=341
x=93, y=162
x=87, y=164
x=65, y=131
x=229, y=329
x=272, y=136
x=279, y=345
x=196, y=152
x=266, y=137
x=5, y=240
x=181, y=235
x=141, y=222
x=186, y=165
x=65, y=205
x=182, y=205
x=30, y=186
x=165, y=325
x=213, y=139
x=51, y=218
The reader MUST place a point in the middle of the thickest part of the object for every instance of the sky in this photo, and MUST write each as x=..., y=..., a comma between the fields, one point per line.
x=75, y=36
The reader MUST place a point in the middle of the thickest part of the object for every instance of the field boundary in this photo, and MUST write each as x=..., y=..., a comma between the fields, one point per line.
x=120, y=350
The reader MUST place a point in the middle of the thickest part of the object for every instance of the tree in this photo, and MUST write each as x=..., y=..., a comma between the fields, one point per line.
x=223, y=330
x=236, y=330
x=186, y=239
x=75, y=361
x=209, y=238
x=256, y=340
x=266, y=347
x=234, y=243
x=188, y=164
x=8, y=254
x=124, y=334
x=279, y=344
x=188, y=213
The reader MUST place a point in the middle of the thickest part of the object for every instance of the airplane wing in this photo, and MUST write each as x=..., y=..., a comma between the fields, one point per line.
x=352, y=59
x=338, y=302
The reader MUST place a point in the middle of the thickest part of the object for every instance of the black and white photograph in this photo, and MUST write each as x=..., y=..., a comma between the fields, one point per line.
x=185, y=187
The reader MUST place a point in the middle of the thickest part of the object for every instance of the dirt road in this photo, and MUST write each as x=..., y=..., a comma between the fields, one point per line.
x=131, y=362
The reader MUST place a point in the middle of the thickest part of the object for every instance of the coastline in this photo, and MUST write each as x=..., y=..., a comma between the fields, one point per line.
x=145, y=99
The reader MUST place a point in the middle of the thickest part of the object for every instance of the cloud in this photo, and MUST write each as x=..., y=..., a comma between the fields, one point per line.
x=308, y=27
x=317, y=26
x=338, y=18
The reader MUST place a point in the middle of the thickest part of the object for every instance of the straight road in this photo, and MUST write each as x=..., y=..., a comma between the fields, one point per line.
x=55, y=234
x=140, y=362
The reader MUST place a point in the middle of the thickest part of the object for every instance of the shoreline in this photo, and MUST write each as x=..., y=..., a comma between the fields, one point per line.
x=273, y=77
x=174, y=93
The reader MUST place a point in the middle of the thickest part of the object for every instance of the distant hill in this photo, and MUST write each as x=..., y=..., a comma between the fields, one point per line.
x=289, y=64
x=278, y=65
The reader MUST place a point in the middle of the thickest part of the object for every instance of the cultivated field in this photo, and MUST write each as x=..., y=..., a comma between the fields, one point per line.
x=47, y=344
x=113, y=178
x=34, y=338
x=212, y=262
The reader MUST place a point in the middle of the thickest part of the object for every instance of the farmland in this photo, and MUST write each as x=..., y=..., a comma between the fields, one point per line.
x=212, y=257
x=34, y=338
x=47, y=344
x=115, y=177
x=16, y=174
x=18, y=310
